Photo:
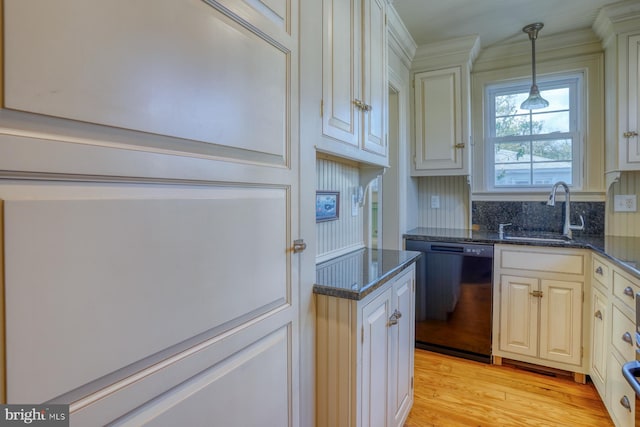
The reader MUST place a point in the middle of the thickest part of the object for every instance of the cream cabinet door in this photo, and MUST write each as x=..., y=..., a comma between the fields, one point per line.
x=599, y=342
x=375, y=360
x=561, y=321
x=341, y=68
x=374, y=83
x=519, y=315
x=630, y=99
x=402, y=345
x=439, y=139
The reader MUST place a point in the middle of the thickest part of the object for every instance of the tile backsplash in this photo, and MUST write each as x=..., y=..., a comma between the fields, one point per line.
x=537, y=216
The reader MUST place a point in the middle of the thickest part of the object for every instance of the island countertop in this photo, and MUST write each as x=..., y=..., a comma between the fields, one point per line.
x=356, y=274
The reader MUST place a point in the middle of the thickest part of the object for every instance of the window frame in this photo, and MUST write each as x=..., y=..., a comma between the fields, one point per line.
x=575, y=81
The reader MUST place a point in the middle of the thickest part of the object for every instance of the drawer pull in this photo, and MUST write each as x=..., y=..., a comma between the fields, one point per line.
x=625, y=402
x=537, y=294
x=598, y=314
x=628, y=291
x=599, y=271
x=626, y=337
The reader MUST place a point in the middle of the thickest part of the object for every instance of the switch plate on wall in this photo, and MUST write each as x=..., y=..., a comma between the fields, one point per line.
x=624, y=203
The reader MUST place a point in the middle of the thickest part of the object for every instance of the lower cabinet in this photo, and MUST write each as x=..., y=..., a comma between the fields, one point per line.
x=612, y=337
x=365, y=356
x=538, y=306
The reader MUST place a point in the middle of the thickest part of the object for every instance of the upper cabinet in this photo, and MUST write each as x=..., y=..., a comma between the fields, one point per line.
x=442, y=102
x=354, y=80
x=619, y=28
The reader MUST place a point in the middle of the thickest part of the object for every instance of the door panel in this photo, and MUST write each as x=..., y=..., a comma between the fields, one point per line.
x=190, y=83
x=518, y=315
x=375, y=362
x=560, y=321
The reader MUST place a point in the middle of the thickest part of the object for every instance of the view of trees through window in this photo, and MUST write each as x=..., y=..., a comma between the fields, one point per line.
x=532, y=147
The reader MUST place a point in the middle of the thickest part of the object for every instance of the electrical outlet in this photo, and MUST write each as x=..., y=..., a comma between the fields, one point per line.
x=354, y=205
x=625, y=203
x=435, y=201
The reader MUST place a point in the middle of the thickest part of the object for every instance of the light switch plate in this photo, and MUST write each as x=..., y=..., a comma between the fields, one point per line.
x=435, y=202
x=625, y=203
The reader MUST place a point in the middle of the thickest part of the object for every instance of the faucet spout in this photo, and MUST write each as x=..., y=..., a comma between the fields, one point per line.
x=566, y=228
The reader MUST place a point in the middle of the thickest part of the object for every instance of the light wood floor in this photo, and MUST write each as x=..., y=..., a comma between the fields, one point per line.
x=456, y=392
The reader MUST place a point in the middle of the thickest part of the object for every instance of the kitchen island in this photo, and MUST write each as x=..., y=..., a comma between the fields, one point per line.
x=365, y=338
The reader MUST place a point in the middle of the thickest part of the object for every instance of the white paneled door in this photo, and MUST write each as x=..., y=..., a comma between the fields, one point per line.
x=150, y=185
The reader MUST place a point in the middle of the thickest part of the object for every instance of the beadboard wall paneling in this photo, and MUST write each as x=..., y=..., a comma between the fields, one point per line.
x=623, y=223
x=455, y=202
x=339, y=236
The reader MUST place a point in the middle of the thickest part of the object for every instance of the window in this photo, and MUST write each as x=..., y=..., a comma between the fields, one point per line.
x=532, y=149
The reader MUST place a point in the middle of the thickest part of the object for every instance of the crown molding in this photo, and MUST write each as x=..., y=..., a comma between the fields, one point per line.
x=461, y=50
x=399, y=39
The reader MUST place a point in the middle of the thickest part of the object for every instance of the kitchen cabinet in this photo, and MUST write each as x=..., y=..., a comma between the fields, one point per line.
x=442, y=108
x=538, y=306
x=365, y=356
x=613, y=297
x=354, y=80
x=617, y=26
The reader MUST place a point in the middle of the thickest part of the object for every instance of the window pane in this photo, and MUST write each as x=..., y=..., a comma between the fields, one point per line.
x=551, y=172
x=512, y=125
x=512, y=174
x=558, y=98
x=551, y=122
x=512, y=152
x=557, y=149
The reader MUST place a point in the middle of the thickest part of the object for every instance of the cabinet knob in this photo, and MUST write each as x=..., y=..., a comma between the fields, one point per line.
x=599, y=271
x=625, y=403
x=630, y=134
x=626, y=337
x=628, y=291
x=598, y=314
x=393, y=320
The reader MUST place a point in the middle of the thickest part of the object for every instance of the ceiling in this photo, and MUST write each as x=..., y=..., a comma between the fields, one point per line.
x=495, y=21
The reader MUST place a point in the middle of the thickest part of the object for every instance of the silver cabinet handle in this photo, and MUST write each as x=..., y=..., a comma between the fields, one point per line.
x=598, y=314
x=625, y=402
x=628, y=291
x=626, y=337
x=393, y=320
x=630, y=134
x=599, y=271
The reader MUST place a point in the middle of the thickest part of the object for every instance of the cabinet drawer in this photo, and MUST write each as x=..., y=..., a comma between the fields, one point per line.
x=620, y=395
x=601, y=272
x=625, y=290
x=623, y=329
x=542, y=260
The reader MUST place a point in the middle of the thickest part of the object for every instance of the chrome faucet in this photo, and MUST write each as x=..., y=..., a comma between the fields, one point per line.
x=567, y=227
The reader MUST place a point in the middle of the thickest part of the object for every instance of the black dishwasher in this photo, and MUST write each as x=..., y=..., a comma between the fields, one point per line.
x=454, y=298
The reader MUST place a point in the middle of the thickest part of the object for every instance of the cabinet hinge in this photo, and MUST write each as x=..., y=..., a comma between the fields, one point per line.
x=322, y=108
x=412, y=383
x=413, y=83
x=362, y=335
x=581, y=352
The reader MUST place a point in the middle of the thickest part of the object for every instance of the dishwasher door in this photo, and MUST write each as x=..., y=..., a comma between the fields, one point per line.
x=454, y=298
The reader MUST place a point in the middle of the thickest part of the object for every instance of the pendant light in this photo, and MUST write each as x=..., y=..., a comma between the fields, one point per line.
x=534, y=101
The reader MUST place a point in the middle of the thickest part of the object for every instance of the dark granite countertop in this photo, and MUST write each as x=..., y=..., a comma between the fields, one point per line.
x=356, y=274
x=623, y=251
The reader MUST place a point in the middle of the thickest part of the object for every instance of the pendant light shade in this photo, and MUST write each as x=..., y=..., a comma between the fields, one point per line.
x=534, y=101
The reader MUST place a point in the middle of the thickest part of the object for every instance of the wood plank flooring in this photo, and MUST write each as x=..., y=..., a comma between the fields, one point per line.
x=450, y=391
